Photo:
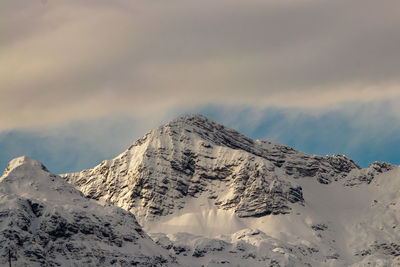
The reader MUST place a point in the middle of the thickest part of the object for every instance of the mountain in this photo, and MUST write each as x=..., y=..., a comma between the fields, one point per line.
x=213, y=196
x=44, y=221
x=194, y=156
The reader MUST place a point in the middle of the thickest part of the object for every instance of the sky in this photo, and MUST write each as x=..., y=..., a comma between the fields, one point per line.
x=81, y=80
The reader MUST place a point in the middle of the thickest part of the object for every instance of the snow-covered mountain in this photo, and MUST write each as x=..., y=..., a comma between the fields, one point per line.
x=44, y=221
x=207, y=196
x=209, y=193
x=194, y=156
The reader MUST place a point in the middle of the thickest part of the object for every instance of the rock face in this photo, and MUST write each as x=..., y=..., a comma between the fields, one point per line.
x=368, y=174
x=193, y=156
x=44, y=221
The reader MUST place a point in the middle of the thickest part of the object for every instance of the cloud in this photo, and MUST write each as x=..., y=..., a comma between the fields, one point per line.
x=68, y=60
x=74, y=146
x=364, y=132
x=373, y=136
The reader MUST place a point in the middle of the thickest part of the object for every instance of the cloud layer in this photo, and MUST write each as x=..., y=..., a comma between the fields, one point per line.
x=373, y=136
x=68, y=60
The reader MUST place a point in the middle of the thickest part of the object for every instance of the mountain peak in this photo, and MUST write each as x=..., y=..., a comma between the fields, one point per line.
x=192, y=117
x=195, y=127
x=208, y=130
x=196, y=120
x=192, y=155
x=36, y=203
x=24, y=162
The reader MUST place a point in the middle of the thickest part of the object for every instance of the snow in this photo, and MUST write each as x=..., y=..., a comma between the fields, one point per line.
x=213, y=197
x=47, y=222
x=355, y=218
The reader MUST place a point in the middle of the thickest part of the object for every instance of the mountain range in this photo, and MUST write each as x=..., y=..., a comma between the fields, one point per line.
x=196, y=193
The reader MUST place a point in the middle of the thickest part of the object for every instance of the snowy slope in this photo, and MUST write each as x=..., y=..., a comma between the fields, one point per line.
x=197, y=176
x=337, y=226
x=44, y=221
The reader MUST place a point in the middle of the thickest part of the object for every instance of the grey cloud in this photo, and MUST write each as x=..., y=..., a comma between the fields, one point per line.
x=65, y=60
